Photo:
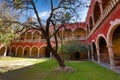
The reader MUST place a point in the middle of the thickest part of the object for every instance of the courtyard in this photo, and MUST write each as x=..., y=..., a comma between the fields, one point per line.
x=44, y=69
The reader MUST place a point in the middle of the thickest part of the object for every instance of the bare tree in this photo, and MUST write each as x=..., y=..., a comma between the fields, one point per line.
x=61, y=12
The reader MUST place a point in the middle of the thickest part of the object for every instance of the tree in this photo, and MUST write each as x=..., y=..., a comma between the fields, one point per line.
x=61, y=12
x=70, y=48
x=7, y=33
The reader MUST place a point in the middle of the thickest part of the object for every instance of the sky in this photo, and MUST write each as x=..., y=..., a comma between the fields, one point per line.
x=43, y=7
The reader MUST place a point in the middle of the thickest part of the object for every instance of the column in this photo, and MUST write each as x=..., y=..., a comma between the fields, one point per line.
x=38, y=53
x=88, y=54
x=111, y=56
x=98, y=55
x=30, y=52
x=92, y=53
x=23, y=53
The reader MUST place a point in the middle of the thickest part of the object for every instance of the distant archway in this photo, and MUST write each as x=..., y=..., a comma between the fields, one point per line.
x=44, y=52
x=67, y=34
x=13, y=51
x=19, y=52
x=2, y=50
x=34, y=52
x=79, y=33
x=29, y=35
x=26, y=52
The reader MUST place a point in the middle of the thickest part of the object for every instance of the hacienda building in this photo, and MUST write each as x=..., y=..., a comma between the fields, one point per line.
x=100, y=31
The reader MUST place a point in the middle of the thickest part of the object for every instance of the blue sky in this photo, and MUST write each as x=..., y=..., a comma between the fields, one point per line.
x=43, y=7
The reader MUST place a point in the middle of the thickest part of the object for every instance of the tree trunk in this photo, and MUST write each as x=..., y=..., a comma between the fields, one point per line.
x=58, y=58
x=5, y=53
x=54, y=52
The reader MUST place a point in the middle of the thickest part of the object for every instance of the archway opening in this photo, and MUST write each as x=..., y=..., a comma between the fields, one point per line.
x=28, y=35
x=34, y=52
x=19, y=52
x=91, y=23
x=36, y=35
x=67, y=34
x=27, y=52
x=44, y=52
x=104, y=56
x=2, y=50
x=79, y=33
x=94, y=52
x=116, y=45
x=13, y=51
x=97, y=12
x=8, y=51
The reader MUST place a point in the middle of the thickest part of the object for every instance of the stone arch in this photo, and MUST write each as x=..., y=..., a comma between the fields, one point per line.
x=67, y=33
x=29, y=35
x=79, y=33
x=94, y=50
x=19, y=51
x=26, y=51
x=2, y=50
x=43, y=51
x=36, y=35
x=96, y=11
x=103, y=50
x=34, y=51
x=90, y=23
x=22, y=37
x=13, y=51
x=113, y=38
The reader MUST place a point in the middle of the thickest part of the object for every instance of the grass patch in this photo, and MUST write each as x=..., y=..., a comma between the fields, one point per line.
x=45, y=71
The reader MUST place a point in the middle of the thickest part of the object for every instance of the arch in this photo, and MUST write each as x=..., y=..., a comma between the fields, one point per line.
x=96, y=11
x=105, y=3
x=44, y=52
x=36, y=35
x=98, y=39
x=67, y=33
x=94, y=51
x=13, y=51
x=2, y=50
x=34, y=51
x=102, y=46
x=29, y=35
x=22, y=37
x=80, y=33
x=19, y=51
x=26, y=52
x=91, y=23
x=113, y=38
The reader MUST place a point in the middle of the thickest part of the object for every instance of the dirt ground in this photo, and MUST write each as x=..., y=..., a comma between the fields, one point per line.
x=6, y=65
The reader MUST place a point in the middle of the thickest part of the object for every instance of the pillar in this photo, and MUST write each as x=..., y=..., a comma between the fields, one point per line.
x=111, y=56
x=92, y=53
x=30, y=52
x=88, y=54
x=98, y=55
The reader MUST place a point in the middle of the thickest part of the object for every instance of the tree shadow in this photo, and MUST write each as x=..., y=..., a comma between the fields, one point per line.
x=12, y=74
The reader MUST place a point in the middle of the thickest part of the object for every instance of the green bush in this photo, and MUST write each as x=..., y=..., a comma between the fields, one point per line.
x=70, y=48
